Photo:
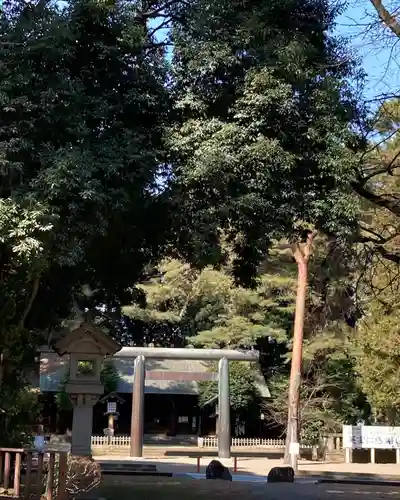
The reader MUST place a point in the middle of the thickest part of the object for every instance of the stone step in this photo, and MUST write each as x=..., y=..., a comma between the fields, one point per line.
x=123, y=451
x=137, y=473
x=131, y=469
x=126, y=466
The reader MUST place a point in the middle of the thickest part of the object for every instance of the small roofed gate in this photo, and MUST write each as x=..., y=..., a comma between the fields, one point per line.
x=27, y=474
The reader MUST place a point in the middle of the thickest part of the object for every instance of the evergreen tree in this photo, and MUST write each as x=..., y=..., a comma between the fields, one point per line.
x=83, y=105
x=264, y=148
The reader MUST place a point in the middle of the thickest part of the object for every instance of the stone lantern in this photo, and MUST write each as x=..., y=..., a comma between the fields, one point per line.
x=86, y=346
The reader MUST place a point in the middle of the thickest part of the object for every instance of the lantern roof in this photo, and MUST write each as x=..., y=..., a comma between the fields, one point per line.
x=112, y=396
x=86, y=339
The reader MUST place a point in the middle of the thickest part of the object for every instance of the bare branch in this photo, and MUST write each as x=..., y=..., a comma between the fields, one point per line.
x=157, y=12
x=391, y=205
x=388, y=19
x=393, y=257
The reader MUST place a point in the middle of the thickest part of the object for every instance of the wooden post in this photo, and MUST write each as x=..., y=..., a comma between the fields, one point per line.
x=39, y=477
x=224, y=421
x=110, y=427
x=6, y=470
x=50, y=476
x=397, y=456
x=137, y=418
x=348, y=455
x=198, y=464
x=62, y=476
x=28, y=475
x=17, y=474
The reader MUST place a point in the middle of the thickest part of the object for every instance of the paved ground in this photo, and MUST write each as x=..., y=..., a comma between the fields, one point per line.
x=260, y=466
x=329, y=492
x=332, y=492
x=173, y=489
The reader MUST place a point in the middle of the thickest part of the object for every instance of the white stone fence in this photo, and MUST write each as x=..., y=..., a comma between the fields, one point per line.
x=112, y=441
x=212, y=442
x=202, y=442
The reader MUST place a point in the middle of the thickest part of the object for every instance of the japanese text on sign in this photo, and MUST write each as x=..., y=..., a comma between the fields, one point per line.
x=376, y=437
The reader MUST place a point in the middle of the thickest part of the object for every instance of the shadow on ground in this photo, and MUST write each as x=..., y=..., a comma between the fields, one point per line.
x=129, y=488
x=271, y=454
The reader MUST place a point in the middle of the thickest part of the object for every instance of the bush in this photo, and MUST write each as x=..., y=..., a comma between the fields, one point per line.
x=83, y=474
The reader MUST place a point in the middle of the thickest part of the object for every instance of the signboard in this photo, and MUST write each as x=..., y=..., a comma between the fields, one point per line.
x=371, y=437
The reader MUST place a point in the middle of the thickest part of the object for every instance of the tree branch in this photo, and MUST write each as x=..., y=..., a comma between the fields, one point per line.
x=391, y=205
x=393, y=257
x=387, y=18
x=302, y=251
x=28, y=307
x=388, y=169
x=158, y=10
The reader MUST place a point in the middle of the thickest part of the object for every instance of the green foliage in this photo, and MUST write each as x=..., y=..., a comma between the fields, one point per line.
x=387, y=119
x=19, y=411
x=243, y=392
x=211, y=311
x=376, y=352
x=329, y=393
x=109, y=378
x=83, y=105
x=61, y=397
x=263, y=148
x=245, y=139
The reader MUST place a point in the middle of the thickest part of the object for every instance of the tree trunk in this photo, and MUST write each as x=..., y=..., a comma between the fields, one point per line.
x=301, y=254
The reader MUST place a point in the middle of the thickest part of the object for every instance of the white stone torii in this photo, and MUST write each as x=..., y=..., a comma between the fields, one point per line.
x=222, y=355
x=88, y=344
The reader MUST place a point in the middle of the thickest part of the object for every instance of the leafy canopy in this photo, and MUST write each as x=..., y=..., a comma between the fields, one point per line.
x=263, y=147
x=211, y=311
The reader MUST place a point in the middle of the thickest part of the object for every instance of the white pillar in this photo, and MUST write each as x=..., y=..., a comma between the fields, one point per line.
x=137, y=418
x=224, y=420
x=372, y=455
x=348, y=455
x=397, y=456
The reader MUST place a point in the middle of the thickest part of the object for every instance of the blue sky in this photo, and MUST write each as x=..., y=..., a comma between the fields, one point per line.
x=383, y=72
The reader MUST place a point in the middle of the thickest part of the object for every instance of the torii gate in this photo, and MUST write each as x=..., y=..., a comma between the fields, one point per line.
x=222, y=355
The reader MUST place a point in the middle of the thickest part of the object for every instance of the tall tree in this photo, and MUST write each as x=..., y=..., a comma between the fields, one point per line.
x=265, y=148
x=265, y=110
x=83, y=104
